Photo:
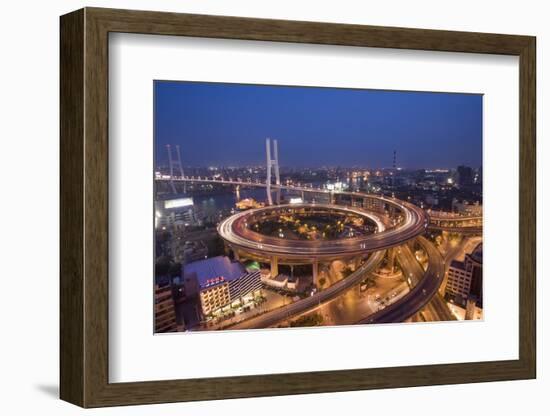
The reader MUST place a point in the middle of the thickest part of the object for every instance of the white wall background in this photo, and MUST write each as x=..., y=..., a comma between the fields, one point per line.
x=29, y=85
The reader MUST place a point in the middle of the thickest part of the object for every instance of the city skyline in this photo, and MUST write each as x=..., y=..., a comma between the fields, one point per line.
x=254, y=228
x=428, y=130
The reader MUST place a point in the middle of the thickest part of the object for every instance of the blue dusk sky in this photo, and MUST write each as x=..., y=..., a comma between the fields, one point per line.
x=219, y=124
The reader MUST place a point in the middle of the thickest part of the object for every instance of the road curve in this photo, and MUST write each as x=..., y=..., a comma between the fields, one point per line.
x=416, y=220
x=419, y=296
x=475, y=230
x=271, y=318
x=233, y=231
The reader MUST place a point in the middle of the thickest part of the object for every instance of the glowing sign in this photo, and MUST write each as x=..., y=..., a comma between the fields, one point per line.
x=214, y=281
x=296, y=200
x=178, y=203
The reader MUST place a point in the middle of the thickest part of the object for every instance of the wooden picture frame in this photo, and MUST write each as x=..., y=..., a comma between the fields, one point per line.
x=84, y=207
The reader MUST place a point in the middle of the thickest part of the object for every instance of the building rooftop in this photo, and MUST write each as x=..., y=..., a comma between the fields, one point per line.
x=477, y=254
x=456, y=264
x=213, y=271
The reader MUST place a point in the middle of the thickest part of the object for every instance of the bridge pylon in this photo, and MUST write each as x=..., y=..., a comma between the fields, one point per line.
x=175, y=167
x=272, y=167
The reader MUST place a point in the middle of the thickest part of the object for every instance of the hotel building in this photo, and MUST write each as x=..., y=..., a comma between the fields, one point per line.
x=219, y=282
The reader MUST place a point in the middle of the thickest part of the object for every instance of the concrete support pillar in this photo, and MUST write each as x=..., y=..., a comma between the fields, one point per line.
x=416, y=317
x=238, y=193
x=391, y=259
x=315, y=269
x=274, y=266
x=236, y=254
x=332, y=198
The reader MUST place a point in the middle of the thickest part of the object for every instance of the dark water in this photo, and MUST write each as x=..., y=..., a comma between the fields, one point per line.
x=209, y=207
x=225, y=201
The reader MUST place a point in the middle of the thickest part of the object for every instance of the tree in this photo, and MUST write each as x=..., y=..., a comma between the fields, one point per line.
x=163, y=266
x=307, y=320
x=175, y=269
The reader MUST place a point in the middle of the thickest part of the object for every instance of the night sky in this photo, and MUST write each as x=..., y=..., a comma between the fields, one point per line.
x=219, y=124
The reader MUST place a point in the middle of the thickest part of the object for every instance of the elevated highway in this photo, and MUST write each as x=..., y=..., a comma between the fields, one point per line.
x=454, y=223
x=424, y=294
x=275, y=316
x=234, y=230
x=426, y=284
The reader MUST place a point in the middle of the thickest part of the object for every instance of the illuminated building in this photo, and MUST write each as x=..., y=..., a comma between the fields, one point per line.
x=248, y=203
x=466, y=277
x=219, y=282
x=214, y=294
x=174, y=212
x=165, y=313
x=295, y=200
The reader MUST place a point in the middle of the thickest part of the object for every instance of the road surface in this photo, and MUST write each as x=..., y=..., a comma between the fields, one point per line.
x=427, y=284
x=270, y=318
x=235, y=232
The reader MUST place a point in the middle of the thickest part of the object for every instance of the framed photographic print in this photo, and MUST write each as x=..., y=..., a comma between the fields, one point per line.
x=255, y=207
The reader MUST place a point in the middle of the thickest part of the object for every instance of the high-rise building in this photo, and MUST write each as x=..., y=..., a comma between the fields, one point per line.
x=465, y=175
x=465, y=278
x=165, y=311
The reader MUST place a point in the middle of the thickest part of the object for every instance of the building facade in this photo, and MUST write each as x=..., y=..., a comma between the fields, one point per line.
x=214, y=295
x=220, y=282
x=465, y=278
x=174, y=212
x=165, y=311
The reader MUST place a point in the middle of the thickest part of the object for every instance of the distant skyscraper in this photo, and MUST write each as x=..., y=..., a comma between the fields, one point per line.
x=465, y=175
